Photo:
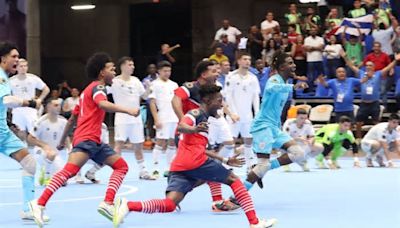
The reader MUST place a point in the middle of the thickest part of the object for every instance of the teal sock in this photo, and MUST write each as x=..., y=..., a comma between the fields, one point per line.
x=28, y=188
x=247, y=185
x=275, y=164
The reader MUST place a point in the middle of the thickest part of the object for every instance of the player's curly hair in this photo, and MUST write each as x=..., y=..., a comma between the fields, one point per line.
x=279, y=59
x=207, y=90
x=6, y=47
x=96, y=63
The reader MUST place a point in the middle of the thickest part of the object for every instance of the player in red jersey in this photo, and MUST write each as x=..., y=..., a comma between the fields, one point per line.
x=89, y=114
x=193, y=164
x=187, y=98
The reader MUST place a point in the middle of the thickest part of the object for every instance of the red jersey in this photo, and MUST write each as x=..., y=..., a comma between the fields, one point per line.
x=380, y=61
x=191, y=152
x=189, y=94
x=90, y=115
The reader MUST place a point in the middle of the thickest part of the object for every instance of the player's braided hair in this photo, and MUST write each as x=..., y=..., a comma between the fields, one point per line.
x=207, y=90
x=279, y=59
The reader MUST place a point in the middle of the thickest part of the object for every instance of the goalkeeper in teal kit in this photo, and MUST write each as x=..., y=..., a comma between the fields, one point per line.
x=266, y=126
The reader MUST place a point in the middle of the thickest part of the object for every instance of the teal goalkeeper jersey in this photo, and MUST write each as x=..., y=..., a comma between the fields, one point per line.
x=4, y=91
x=275, y=96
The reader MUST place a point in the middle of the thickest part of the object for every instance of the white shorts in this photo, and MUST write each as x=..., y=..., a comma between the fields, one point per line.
x=167, y=131
x=25, y=119
x=242, y=128
x=133, y=132
x=218, y=131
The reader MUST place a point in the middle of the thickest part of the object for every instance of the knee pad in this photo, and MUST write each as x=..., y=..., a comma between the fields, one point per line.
x=262, y=167
x=121, y=165
x=170, y=205
x=28, y=164
x=296, y=153
x=346, y=144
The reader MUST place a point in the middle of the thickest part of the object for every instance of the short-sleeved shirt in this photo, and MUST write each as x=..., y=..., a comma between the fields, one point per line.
x=269, y=25
x=232, y=32
x=384, y=37
x=276, y=93
x=218, y=59
x=370, y=90
x=49, y=132
x=305, y=132
x=343, y=93
x=190, y=96
x=229, y=49
x=191, y=152
x=354, y=52
x=330, y=134
x=314, y=56
x=163, y=92
x=381, y=133
x=71, y=102
x=357, y=12
x=292, y=19
x=381, y=60
x=127, y=94
x=90, y=115
x=4, y=91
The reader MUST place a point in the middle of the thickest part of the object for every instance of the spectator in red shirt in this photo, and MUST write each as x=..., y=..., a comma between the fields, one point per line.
x=379, y=58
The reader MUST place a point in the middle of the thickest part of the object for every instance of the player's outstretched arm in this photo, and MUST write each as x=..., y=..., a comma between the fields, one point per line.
x=68, y=127
x=111, y=107
x=15, y=102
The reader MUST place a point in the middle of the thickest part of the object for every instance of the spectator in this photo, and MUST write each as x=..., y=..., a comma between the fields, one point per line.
x=286, y=46
x=270, y=49
x=262, y=74
x=292, y=34
x=269, y=25
x=293, y=17
x=343, y=93
x=332, y=52
x=382, y=13
x=278, y=38
x=333, y=17
x=331, y=31
x=151, y=75
x=311, y=20
x=314, y=45
x=353, y=47
x=229, y=49
x=299, y=55
x=225, y=69
x=218, y=55
x=371, y=85
x=70, y=103
x=384, y=35
x=396, y=40
x=358, y=11
x=255, y=43
x=64, y=90
x=232, y=32
x=165, y=53
x=54, y=95
x=323, y=9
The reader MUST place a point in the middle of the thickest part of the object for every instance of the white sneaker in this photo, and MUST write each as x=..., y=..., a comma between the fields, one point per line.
x=305, y=167
x=78, y=179
x=106, y=210
x=92, y=177
x=37, y=212
x=264, y=223
x=120, y=211
x=144, y=175
x=27, y=216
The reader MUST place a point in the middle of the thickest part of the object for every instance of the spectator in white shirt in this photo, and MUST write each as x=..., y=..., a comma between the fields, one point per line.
x=332, y=53
x=232, y=32
x=314, y=45
x=70, y=102
x=269, y=25
x=384, y=35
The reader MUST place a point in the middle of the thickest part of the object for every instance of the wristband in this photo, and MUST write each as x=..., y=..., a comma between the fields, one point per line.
x=225, y=160
x=32, y=104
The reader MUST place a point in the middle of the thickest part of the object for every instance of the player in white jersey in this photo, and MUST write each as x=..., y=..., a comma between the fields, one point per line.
x=127, y=90
x=165, y=119
x=242, y=92
x=301, y=130
x=24, y=85
x=49, y=128
x=380, y=140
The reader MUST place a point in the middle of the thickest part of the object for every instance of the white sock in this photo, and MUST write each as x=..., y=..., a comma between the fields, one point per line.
x=156, y=156
x=249, y=155
x=141, y=165
x=227, y=151
x=48, y=165
x=96, y=167
x=170, y=155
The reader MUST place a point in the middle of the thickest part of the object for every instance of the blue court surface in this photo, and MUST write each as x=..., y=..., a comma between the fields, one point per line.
x=345, y=198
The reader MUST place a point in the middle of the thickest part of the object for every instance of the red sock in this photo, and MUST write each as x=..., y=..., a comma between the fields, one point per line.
x=120, y=169
x=216, y=191
x=57, y=181
x=153, y=206
x=245, y=201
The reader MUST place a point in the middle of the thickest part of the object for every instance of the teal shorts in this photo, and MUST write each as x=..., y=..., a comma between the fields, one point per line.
x=10, y=143
x=269, y=138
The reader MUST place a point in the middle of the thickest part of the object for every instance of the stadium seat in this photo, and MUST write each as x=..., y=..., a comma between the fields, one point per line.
x=321, y=114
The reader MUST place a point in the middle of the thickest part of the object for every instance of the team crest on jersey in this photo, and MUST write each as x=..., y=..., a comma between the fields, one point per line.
x=189, y=85
x=100, y=87
x=196, y=112
x=261, y=145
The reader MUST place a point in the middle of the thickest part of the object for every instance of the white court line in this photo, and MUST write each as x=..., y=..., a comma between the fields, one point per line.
x=131, y=189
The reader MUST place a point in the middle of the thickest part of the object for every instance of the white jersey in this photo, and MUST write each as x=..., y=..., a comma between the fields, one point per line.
x=49, y=132
x=105, y=134
x=242, y=95
x=163, y=92
x=305, y=132
x=26, y=88
x=71, y=102
x=127, y=94
x=380, y=133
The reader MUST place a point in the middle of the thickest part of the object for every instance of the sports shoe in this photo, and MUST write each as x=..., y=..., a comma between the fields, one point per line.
x=304, y=167
x=356, y=164
x=156, y=174
x=166, y=173
x=27, y=216
x=391, y=165
x=369, y=163
x=144, y=175
x=233, y=200
x=120, y=211
x=321, y=165
x=224, y=206
x=286, y=168
x=78, y=179
x=106, y=210
x=379, y=159
x=37, y=212
x=336, y=164
x=92, y=177
x=264, y=223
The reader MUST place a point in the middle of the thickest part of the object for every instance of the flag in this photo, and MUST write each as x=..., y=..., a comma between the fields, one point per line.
x=364, y=23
